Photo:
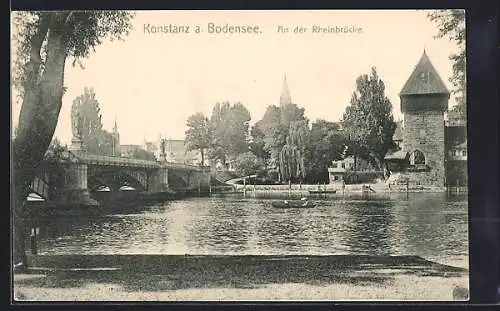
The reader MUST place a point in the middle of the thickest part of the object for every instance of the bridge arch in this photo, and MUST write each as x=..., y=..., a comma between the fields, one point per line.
x=95, y=182
x=40, y=186
x=139, y=176
x=126, y=179
x=117, y=178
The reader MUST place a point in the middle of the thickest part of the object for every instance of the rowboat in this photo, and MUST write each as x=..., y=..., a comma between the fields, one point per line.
x=293, y=204
x=230, y=192
x=322, y=191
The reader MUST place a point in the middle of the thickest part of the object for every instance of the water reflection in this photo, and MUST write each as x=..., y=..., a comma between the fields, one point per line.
x=225, y=230
x=369, y=226
x=433, y=225
x=423, y=224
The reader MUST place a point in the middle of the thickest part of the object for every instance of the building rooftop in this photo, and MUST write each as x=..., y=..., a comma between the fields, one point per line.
x=398, y=155
x=424, y=80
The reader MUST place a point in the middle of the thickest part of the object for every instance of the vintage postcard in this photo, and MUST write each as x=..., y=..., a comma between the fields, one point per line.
x=239, y=155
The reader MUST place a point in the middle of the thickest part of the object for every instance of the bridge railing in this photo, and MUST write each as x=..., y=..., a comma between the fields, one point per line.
x=65, y=155
x=187, y=166
x=121, y=161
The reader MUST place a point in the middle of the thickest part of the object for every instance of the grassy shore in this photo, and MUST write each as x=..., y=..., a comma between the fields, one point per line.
x=402, y=287
x=179, y=278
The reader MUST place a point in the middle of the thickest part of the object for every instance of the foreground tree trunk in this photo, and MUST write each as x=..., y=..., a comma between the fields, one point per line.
x=41, y=104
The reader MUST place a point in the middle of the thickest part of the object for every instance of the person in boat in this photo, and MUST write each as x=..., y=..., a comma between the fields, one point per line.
x=304, y=201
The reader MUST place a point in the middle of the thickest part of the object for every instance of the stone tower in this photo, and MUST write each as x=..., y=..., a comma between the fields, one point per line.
x=285, y=97
x=424, y=99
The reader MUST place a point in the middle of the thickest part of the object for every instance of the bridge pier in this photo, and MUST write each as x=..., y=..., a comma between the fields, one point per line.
x=163, y=178
x=158, y=181
x=77, y=191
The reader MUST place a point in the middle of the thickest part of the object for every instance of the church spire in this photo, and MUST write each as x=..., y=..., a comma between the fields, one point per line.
x=285, y=94
x=116, y=140
x=115, y=127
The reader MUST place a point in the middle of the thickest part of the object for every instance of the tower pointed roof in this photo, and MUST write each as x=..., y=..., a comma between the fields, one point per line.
x=424, y=79
x=285, y=97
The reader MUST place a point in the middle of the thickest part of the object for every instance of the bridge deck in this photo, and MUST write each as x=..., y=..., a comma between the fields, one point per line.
x=126, y=162
x=119, y=161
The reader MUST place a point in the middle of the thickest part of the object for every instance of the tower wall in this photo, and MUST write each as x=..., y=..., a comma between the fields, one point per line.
x=424, y=131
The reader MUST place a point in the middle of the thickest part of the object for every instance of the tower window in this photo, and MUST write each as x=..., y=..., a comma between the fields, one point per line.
x=417, y=157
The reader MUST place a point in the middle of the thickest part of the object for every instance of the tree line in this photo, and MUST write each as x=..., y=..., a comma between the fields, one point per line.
x=286, y=146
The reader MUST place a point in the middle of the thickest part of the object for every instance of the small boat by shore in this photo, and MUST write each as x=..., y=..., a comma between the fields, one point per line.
x=322, y=191
x=224, y=193
x=293, y=204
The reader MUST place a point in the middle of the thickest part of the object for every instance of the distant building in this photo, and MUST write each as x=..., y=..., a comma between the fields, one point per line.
x=152, y=147
x=350, y=170
x=456, y=150
x=339, y=168
x=127, y=151
x=176, y=152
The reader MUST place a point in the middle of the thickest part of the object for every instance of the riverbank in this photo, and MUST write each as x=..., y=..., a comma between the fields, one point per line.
x=336, y=191
x=239, y=278
x=339, y=188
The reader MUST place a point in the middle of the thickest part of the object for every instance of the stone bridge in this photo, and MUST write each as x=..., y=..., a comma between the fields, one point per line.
x=75, y=175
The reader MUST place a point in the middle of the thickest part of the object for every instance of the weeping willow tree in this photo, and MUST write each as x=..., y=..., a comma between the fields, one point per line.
x=291, y=158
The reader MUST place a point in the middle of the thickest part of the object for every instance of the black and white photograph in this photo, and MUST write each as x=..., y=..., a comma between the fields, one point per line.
x=247, y=155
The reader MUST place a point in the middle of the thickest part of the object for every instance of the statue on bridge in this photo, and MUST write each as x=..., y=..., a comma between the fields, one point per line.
x=76, y=121
x=77, y=144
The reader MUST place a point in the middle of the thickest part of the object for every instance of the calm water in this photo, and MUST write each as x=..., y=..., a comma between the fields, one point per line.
x=429, y=225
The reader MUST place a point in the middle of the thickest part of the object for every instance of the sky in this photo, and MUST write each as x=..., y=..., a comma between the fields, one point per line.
x=151, y=82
